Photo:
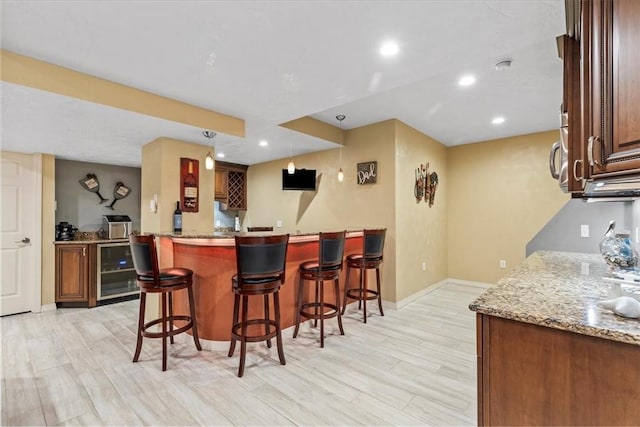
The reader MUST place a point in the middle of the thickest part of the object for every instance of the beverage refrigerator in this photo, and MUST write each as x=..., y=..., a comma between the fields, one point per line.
x=116, y=274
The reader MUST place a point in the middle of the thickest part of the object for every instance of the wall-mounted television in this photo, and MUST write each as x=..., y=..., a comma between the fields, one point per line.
x=301, y=179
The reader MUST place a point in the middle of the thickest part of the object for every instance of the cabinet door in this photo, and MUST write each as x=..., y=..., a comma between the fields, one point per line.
x=221, y=184
x=613, y=144
x=571, y=106
x=72, y=273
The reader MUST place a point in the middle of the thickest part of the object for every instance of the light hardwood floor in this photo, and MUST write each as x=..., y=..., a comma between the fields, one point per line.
x=414, y=366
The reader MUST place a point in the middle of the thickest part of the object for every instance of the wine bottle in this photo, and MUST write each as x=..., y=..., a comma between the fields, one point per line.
x=190, y=189
x=177, y=219
x=237, y=223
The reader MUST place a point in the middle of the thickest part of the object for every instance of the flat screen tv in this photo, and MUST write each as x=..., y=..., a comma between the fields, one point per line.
x=301, y=179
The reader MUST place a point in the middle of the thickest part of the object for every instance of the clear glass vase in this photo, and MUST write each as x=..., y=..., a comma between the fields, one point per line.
x=617, y=250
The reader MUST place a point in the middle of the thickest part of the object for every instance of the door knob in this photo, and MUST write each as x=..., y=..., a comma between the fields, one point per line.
x=25, y=240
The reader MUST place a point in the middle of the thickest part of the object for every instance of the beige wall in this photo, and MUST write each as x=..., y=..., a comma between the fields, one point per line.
x=500, y=195
x=47, y=273
x=335, y=205
x=421, y=231
x=161, y=177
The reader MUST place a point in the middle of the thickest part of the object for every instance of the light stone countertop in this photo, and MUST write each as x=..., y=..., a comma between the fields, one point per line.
x=561, y=290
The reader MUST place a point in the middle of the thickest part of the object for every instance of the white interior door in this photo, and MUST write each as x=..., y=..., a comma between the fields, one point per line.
x=19, y=229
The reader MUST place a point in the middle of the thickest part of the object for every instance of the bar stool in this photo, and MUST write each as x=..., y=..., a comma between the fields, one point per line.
x=152, y=279
x=327, y=267
x=260, y=271
x=371, y=257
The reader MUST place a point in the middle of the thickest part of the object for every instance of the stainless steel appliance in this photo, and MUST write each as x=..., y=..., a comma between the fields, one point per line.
x=116, y=274
x=116, y=226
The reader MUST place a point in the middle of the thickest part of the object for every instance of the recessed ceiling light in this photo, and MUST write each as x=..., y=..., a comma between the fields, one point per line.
x=498, y=120
x=389, y=49
x=467, y=80
x=220, y=155
x=263, y=143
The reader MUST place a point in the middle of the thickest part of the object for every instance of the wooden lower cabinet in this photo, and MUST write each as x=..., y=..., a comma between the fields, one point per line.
x=534, y=375
x=75, y=275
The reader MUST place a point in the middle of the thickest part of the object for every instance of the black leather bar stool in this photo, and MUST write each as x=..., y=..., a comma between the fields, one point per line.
x=260, y=271
x=152, y=279
x=370, y=258
x=327, y=267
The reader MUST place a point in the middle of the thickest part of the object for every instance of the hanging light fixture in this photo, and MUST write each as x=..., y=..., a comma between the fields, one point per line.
x=340, y=118
x=291, y=167
x=208, y=160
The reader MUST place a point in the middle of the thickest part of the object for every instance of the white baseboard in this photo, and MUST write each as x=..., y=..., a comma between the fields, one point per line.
x=48, y=307
x=470, y=283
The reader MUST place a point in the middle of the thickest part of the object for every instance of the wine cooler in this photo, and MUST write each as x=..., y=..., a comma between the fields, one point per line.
x=116, y=274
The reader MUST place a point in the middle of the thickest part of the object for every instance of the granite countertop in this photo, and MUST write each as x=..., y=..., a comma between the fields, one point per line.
x=82, y=241
x=232, y=234
x=561, y=290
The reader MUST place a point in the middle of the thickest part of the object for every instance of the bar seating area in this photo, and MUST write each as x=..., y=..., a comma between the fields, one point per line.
x=152, y=279
x=277, y=281
x=261, y=267
x=327, y=266
x=369, y=258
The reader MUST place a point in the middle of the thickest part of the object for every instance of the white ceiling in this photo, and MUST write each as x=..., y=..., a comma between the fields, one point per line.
x=269, y=62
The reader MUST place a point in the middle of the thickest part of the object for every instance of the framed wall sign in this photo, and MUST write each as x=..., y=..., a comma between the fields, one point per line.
x=367, y=173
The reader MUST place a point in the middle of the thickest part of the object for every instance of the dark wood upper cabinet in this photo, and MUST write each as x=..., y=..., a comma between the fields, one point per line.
x=611, y=86
x=231, y=185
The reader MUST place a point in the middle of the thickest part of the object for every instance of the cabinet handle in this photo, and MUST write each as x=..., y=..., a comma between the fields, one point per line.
x=592, y=160
x=575, y=171
x=84, y=251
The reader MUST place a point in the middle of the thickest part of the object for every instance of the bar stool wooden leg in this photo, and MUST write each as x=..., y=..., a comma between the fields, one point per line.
x=243, y=334
x=298, y=306
x=337, y=292
x=346, y=290
x=379, y=293
x=194, y=325
x=321, y=312
x=315, y=308
x=276, y=308
x=143, y=302
x=267, y=327
x=236, y=308
x=164, y=331
x=363, y=292
x=170, y=296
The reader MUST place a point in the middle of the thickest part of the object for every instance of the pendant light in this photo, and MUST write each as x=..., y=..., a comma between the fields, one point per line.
x=208, y=160
x=340, y=118
x=291, y=167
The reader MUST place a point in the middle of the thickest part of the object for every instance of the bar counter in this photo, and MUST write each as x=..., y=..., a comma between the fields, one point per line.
x=213, y=261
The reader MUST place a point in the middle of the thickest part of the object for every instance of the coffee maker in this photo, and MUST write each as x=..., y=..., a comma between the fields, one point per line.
x=65, y=231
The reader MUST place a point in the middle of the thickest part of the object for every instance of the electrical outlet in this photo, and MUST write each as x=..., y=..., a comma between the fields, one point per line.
x=279, y=223
x=584, y=230
x=503, y=263
x=424, y=266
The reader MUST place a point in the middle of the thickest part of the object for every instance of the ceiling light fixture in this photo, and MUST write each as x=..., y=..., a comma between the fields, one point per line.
x=340, y=118
x=263, y=143
x=467, y=80
x=503, y=64
x=497, y=120
x=291, y=167
x=389, y=49
x=220, y=155
x=208, y=160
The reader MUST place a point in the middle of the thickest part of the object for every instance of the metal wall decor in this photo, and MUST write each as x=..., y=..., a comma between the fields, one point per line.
x=425, y=185
x=91, y=184
x=367, y=173
x=120, y=191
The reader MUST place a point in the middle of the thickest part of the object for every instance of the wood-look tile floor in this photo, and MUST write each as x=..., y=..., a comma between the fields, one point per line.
x=414, y=366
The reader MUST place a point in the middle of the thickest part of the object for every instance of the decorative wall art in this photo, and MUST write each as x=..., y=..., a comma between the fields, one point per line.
x=189, y=173
x=425, y=185
x=120, y=191
x=367, y=172
x=91, y=184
